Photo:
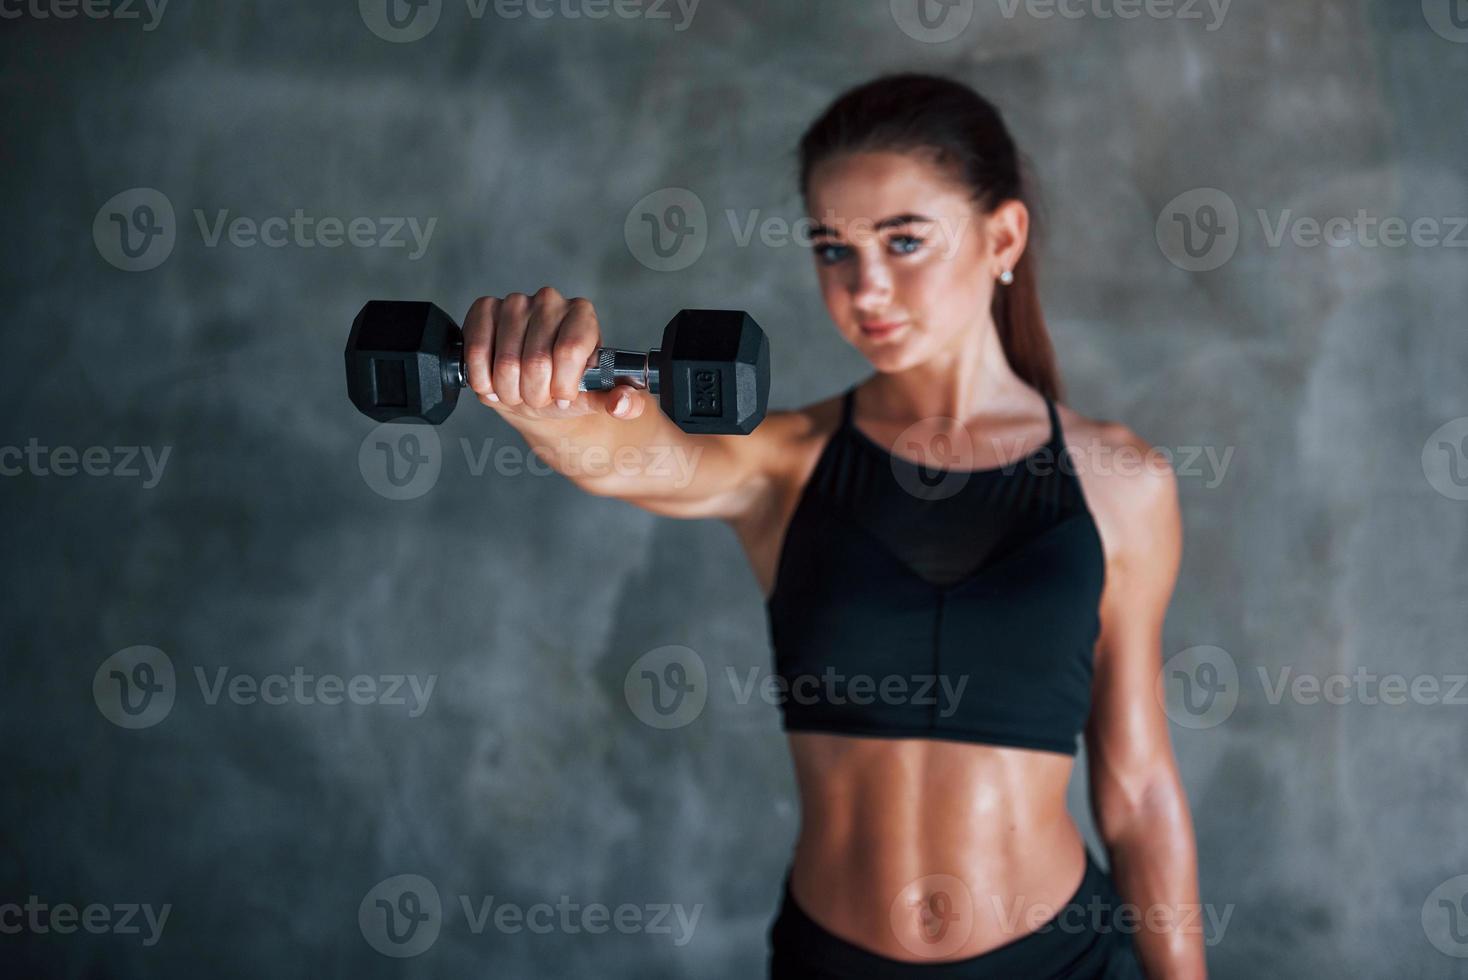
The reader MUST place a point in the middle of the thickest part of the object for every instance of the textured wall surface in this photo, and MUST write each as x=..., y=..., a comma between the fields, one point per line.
x=1325, y=537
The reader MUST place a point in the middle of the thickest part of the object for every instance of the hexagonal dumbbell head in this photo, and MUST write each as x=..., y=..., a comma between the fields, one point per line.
x=403, y=361
x=714, y=371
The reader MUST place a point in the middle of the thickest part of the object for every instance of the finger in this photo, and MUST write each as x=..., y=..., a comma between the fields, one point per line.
x=509, y=341
x=576, y=340
x=536, y=364
x=479, y=346
x=622, y=402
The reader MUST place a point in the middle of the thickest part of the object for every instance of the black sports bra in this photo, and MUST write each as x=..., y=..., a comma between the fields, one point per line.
x=926, y=603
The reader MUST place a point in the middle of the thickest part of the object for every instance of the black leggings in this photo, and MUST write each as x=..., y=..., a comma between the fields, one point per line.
x=1071, y=948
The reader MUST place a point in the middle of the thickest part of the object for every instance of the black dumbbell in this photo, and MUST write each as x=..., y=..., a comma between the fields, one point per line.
x=405, y=362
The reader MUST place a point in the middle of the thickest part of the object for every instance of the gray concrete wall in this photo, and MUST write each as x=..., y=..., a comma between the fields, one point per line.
x=1325, y=537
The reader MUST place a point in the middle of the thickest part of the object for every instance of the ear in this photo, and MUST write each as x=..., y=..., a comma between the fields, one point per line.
x=1007, y=228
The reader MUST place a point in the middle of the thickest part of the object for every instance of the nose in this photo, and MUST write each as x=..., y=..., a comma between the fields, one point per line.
x=872, y=291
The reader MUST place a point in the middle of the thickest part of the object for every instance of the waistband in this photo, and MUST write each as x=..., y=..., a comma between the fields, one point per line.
x=1068, y=943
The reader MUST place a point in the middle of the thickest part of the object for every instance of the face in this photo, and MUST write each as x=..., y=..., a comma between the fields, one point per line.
x=896, y=242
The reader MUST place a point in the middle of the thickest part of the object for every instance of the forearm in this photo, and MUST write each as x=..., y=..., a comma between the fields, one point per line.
x=1155, y=868
x=647, y=455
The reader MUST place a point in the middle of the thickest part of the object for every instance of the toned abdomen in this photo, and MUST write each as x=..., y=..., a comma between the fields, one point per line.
x=927, y=850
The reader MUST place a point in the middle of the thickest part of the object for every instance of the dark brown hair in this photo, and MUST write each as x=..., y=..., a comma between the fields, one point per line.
x=960, y=130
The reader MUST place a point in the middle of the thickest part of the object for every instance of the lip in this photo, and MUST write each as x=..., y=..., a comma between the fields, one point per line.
x=882, y=329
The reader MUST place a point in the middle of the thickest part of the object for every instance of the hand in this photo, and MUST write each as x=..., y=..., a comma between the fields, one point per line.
x=526, y=354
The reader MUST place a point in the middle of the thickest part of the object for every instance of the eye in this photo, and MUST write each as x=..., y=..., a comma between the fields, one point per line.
x=829, y=254
x=914, y=243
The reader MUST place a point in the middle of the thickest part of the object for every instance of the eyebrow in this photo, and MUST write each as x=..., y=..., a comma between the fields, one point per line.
x=893, y=222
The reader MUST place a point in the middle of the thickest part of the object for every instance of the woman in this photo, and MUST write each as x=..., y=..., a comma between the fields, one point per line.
x=962, y=575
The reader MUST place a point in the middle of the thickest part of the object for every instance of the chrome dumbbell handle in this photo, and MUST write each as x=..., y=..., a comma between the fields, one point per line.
x=613, y=366
x=607, y=368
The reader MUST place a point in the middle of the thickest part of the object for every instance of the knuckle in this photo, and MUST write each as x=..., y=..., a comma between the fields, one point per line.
x=476, y=363
x=568, y=349
x=537, y=362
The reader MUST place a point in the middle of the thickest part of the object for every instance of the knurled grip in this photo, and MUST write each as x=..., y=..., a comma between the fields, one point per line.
x=602, y=375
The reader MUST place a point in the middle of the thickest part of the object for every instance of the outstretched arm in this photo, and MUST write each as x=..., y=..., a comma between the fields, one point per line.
x=524, y=356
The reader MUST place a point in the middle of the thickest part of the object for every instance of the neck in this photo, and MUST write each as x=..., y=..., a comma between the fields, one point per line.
x=968, y=380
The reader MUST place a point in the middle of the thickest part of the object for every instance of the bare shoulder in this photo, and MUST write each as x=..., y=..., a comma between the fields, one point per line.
x=787, y=450
x=1128, y=483
x=807, y=426
x=782, y=451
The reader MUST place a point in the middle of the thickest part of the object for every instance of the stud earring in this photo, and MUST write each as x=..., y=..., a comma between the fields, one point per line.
x=1006, y=277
